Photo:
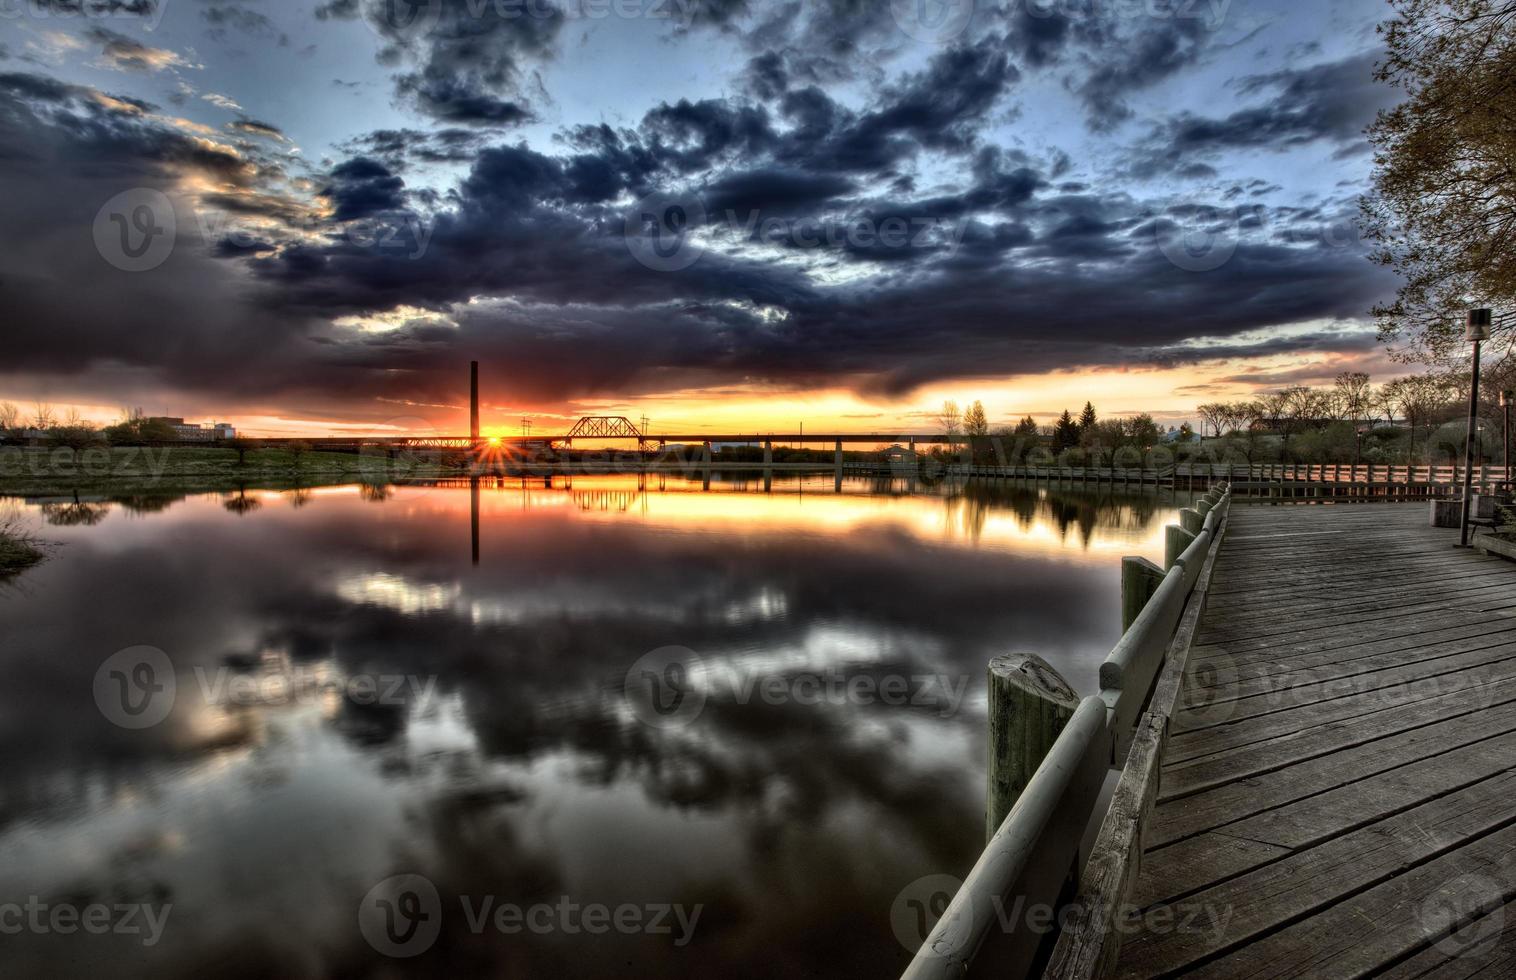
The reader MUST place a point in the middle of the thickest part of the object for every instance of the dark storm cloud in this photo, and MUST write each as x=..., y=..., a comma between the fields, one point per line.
x=1007, y=266
x=361, y=187
x=1331, y=102
x=470, y=60
x=1127, y=64
x=136, y=8
x=223, y=18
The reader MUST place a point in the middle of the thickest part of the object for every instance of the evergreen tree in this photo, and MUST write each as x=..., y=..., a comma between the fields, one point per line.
x=1087, y=418
x=1066, y=432
x=1027, y=428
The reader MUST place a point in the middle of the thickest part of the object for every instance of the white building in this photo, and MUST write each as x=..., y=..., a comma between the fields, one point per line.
x=192, y=432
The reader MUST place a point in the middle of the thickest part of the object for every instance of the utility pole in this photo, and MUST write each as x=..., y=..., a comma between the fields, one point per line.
x=1478, y=331
x=526, y=427
x=473, y=400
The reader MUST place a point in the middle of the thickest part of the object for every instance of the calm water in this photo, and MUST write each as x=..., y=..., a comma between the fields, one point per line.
x=345, y=697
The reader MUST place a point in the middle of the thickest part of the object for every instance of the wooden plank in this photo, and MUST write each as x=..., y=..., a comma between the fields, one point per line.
x=1225, y=804
x=1272, y=896
x=1484, y=947
x=1379, y=927
x=1224, y=727
x=1262, y=677
x=1335, y=735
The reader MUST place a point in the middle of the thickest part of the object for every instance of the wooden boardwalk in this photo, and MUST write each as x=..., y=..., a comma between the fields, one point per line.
x=1338, y=794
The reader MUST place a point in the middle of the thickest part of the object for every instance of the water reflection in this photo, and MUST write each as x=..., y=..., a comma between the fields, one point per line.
x=281, y=787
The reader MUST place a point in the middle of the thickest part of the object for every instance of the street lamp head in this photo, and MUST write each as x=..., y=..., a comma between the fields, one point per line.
x=1478, y=327
x=1507, y=399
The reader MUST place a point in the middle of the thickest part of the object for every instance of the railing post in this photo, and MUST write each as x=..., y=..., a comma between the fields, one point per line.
x=1140, y=578
x=1175, y=540
x=1029, y=705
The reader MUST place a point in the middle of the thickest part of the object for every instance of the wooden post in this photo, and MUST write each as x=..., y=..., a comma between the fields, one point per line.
x=1192, y=520
x=1029, y=704
x=1175, y=540
x=1140, y=578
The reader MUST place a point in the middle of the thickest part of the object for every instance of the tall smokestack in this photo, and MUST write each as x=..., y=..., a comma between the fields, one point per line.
x=473, y=399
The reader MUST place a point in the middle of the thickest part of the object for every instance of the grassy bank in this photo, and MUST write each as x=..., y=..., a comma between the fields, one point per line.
x=17, y=552
x=195, y=469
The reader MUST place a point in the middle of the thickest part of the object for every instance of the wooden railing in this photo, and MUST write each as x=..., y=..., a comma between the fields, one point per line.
x=1260, y=479
x=1033, y=860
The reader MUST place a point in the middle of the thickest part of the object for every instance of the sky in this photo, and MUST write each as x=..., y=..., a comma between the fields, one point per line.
x=723, y=215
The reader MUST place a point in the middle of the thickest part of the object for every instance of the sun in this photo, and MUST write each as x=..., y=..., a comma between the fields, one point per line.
x=494, y=440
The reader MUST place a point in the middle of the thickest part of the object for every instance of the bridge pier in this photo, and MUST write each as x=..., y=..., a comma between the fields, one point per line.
x=705, y=458
x=768, y=467
x=837, y=467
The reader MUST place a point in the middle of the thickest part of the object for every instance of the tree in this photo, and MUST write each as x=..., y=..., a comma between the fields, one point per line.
x=1212, y=414
x=1443, y=210
x=1351, y=396
x=975, y=423
x=1421, y=398
x=949, y=418
x=1026, y=428
x=10, y=417
x=1087, y=418
x=42, y=415
x=1065, y=432
x=241, y=445
x=135, y=429
x=1186, y=432
x=1143, y=431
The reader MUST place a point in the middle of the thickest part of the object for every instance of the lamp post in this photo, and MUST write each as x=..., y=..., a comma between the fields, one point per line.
x=1478, y=331
x=1506, y=397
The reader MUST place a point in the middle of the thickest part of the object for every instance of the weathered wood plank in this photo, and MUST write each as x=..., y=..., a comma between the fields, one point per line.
x=1270, y=897
x=1193, y=863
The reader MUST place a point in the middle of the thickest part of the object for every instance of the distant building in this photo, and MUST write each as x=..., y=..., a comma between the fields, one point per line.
x=192, y=432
